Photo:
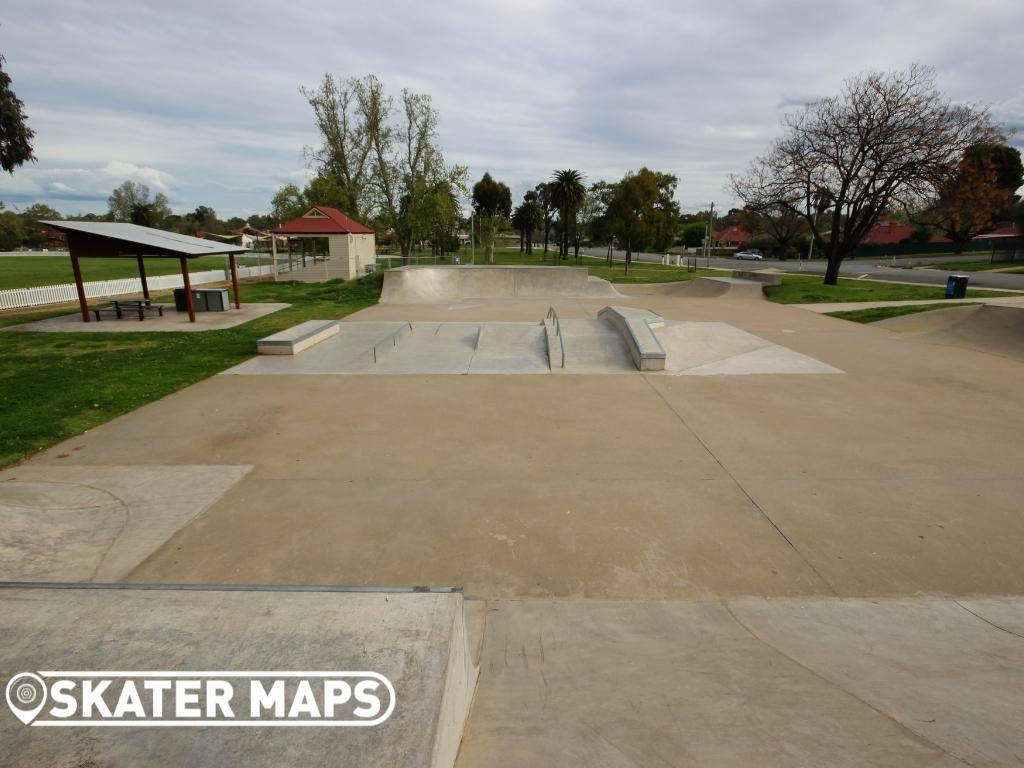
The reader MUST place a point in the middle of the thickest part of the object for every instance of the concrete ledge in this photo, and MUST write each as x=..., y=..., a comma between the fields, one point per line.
x=765, y=278
x=294, y=340
x=636, y=327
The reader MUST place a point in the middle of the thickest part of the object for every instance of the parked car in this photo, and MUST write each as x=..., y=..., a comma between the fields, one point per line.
x=750, y=254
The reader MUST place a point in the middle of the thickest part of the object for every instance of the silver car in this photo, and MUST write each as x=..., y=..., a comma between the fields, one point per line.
x=750, y=254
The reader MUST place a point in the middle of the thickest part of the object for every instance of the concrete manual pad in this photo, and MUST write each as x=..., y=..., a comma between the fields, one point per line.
x=794, y=682
x=416, y=640
x=78, y=523
x=717, y=349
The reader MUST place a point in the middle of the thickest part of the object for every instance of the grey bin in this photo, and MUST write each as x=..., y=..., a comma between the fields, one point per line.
x=203, y=300
x=956, y=286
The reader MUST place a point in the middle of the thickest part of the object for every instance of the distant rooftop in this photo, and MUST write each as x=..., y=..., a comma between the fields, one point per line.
x=323, y=220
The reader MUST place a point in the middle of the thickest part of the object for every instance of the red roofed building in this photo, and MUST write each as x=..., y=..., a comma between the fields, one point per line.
x=351, y=246
x=890, y=233
x=732, y=236
x=1002, y=229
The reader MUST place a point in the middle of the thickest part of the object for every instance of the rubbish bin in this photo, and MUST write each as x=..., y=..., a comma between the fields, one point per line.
x=956, y=286
x=203, y=300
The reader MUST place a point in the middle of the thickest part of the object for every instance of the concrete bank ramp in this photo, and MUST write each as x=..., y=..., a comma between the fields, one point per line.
x=992, y=329
x=701, y=288
x=419, y=641
x=439, y=284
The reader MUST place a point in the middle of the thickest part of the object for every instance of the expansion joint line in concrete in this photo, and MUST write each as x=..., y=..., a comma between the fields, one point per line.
x=739, y=485
x=987, y=621
x=833, y=684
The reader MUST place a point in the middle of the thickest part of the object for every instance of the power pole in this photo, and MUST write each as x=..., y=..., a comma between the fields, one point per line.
x=710, y=235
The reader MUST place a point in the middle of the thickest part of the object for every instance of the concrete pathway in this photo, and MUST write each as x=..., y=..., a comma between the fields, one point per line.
x=1006, y=301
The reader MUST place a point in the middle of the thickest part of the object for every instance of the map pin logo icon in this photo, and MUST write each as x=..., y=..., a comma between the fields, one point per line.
x=26, y=696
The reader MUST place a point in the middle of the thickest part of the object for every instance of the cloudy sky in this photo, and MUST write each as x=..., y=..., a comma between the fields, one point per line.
x=200, y=100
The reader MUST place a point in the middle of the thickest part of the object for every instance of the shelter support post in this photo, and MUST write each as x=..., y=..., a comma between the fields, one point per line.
x=273, y=255
x=142, y=277
x=188, y=290
x=234, y=280
x=80, y=288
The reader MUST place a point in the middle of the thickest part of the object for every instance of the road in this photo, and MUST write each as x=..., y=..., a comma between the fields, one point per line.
x=864, y=269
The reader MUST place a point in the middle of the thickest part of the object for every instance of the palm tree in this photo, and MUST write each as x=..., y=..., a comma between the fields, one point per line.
x=568, y=192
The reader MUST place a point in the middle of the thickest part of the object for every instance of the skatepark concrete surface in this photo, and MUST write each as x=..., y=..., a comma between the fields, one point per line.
x=171, y=321
x=417, y=641
x=591, y=346
x=710, y=569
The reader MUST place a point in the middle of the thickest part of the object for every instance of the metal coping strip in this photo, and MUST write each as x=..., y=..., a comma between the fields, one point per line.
x=228, y=587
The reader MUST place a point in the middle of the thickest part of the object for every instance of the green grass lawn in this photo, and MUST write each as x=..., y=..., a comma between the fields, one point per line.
x=874, y=314
x=57, y=385
x=976, y=266
x=53, y=269
x=799, y=289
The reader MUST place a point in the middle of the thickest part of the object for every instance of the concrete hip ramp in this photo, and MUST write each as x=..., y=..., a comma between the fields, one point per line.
x=994, y=329
x=437, y=284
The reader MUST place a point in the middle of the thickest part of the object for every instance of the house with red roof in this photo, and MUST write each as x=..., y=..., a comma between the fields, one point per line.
x=351, y=246
x=730, y=237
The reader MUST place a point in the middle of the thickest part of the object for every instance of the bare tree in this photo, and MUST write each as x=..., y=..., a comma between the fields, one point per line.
x=884, y=142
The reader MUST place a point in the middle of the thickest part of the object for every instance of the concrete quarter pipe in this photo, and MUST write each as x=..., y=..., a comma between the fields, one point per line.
x=434, y=284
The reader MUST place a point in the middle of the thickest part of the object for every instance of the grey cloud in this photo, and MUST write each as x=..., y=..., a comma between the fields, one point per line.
x=207, y=92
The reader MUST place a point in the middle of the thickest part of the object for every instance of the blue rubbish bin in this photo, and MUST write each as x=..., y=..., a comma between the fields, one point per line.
x=956, y=286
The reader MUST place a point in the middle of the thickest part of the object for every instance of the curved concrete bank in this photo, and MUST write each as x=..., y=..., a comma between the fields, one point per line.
x=701, y=288
x=433, y=284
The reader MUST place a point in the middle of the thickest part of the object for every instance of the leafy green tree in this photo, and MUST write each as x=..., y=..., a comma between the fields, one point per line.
x=15, y=135
x=492, y=202
x=123, y=201
x=693, y=234
x=546, y=200
x=34, y=236
x=384, y=160
x=567, y=191
x=633, y=209
x=12, y=231
x=288, y=203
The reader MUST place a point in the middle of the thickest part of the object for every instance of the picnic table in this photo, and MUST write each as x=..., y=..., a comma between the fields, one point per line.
x=135, y=306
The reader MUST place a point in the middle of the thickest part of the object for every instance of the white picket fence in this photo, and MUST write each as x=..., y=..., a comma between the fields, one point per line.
x=18, y=298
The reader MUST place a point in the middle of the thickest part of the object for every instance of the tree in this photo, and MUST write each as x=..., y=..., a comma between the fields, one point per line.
x=288, y=203
x=344, y=153
x=632, y=209
x=204, y=219
x=12, y=230
x=15, y=135
x=379, y=161
x=883, y=143
x=533, y=217
x=546, y=201
x=492, y=202
x=567, y=192
x=131, y=198
x=974, y=192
